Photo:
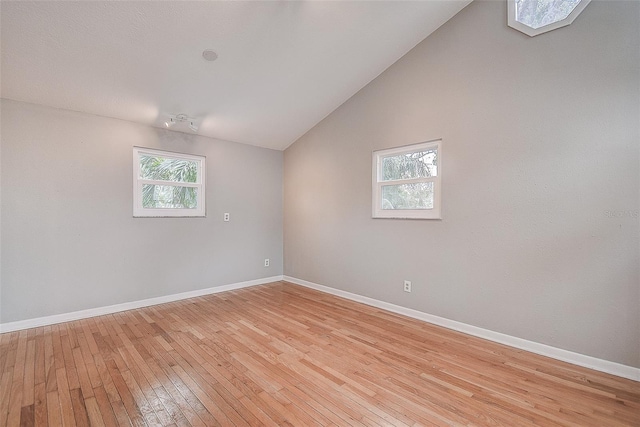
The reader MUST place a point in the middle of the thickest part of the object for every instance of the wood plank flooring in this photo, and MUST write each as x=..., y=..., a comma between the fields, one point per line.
x=284, y=355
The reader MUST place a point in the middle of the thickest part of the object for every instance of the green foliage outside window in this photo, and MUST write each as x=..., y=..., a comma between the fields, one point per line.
x=173, y=171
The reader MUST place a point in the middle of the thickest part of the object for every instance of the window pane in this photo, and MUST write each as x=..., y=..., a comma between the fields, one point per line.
x=538, y=13
x=419, y=164
x=408, y=196
x=168, y=169
x=169, y=197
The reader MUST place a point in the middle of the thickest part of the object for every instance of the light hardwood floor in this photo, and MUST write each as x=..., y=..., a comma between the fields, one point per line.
x=280, y=354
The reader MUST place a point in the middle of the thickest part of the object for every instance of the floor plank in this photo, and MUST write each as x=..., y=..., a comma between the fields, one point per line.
x=284, y=355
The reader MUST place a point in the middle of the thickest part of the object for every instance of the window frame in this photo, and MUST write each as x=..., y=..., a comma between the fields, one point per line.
x=141, y=212
x=377, y=183
x=532, y=32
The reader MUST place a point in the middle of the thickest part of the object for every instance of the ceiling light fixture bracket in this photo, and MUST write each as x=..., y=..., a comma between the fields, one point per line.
x=182, y=118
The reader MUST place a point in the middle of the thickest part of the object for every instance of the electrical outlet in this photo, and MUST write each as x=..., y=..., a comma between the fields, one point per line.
x=226, y=216
x=407, y=286
x=266, y=262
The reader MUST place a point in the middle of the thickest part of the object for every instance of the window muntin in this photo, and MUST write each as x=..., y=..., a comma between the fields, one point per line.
x=406, y=181
x=167, y=184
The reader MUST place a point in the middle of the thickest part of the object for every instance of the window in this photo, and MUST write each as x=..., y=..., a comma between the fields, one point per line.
x=406, y=181
x=167, y=184
x=534, y=17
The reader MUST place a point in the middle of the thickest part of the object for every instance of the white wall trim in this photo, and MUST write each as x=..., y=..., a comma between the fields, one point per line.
x=534, y=347
x=545, y=350
x=98, y=311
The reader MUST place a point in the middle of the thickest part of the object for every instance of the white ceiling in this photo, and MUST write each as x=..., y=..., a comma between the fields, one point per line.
x=282, y=66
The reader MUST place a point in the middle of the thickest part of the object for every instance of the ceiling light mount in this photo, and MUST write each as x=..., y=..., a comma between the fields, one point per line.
x=181, y=118
x=209, y=55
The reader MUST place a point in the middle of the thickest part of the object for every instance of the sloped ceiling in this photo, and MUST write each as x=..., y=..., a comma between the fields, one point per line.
x=281, y=67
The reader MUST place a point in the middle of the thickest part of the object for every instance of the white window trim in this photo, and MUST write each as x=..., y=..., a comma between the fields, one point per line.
x=377, y=184
x=140, y=212
x=531, y=32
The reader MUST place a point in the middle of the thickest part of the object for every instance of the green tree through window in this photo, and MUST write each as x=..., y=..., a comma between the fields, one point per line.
x=168, y=184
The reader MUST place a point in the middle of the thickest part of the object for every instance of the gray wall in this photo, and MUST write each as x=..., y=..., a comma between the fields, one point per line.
x=540, y=230
x=69, y=241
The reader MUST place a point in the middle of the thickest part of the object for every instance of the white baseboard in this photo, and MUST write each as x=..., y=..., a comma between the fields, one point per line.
x=601, y=365
x=98, y=311
x=534, y=347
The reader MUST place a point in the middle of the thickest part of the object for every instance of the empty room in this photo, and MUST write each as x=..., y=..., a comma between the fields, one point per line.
x=320, y=213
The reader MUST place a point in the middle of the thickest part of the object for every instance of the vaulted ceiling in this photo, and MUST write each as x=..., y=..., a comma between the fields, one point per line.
x=281, y=67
